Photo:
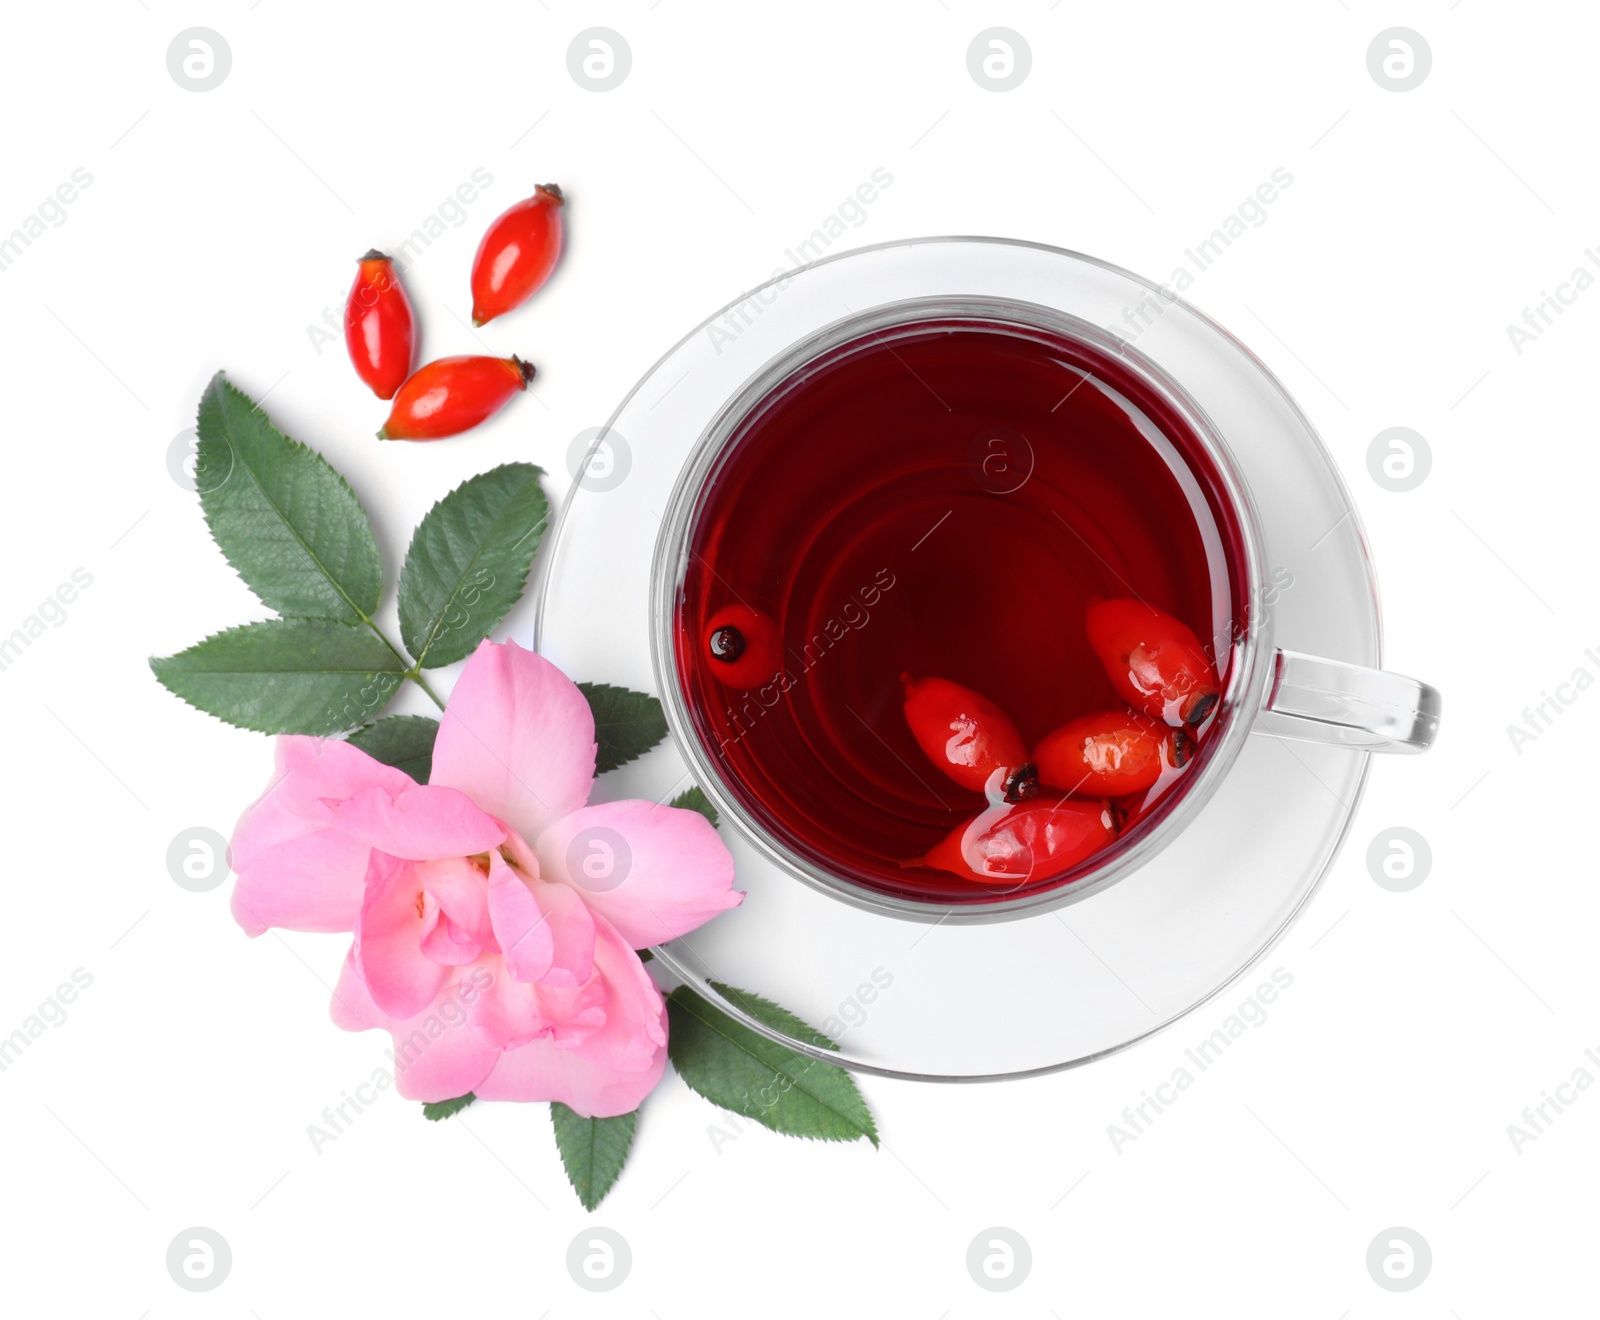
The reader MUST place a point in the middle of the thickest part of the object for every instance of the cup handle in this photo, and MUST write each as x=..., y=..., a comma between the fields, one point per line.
x=1329, y=701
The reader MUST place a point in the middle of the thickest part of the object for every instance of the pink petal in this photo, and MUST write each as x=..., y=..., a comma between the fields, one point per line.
x=388, y=949
x=634, y=1027
x=654, y=872
x=294, y=870
x=574, y=926
x=461, y=891
x=526, y=941
x=310, y=883
x=608, y=1071
x=439, y=1053
x=433, y=1063
x=352, y=1008
x=444, y=942
x=307, y=771
x=424, y=823
x=517, y=737
x=544, y=931
x=541, y=1070
x=515, y=1012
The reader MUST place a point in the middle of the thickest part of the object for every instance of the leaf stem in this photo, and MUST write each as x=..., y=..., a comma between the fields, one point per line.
x=415, y=675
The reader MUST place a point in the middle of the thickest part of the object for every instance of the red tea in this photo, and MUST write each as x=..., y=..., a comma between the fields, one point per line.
x=941, y=498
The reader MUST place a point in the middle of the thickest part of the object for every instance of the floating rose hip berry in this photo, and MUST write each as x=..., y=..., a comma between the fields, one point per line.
x=517, y=254
x=378, y=330
x=745, y=648
x=1110, y=753
x=454, y=394
x=1155, y=663
x=968, y=737
x=1016, y=844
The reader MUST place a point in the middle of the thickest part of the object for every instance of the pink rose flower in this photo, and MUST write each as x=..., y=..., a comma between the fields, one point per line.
x=495, y=968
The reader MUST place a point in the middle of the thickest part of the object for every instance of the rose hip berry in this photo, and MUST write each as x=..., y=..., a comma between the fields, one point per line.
x=968, y=737
x=744, y=645
x=517, y=254
x=454, y=394
x=1111, y=753
x=378, y=326
x=1013, y=845
x=1154, y=661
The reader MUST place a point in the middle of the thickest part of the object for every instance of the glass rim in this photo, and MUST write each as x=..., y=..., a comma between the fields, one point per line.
x=1248, y=673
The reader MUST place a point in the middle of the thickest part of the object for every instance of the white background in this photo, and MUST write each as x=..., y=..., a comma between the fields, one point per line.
x=219, y=226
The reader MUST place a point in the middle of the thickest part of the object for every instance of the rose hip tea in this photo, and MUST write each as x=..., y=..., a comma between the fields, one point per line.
x=957, y=609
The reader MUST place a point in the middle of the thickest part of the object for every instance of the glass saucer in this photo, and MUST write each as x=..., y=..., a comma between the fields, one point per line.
x=1048, y=988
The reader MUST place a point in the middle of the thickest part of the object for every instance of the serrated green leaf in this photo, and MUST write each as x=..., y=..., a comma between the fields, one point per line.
x=593, y=1150
x=437, y=1109
x=627, y=724
x=403, y=741
x=742, y=1071
x=286, y=676
x=692, y=799
x=468, y=562
x=288, y=523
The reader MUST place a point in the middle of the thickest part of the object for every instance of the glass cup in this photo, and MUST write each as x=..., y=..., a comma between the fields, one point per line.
x=1268, y=689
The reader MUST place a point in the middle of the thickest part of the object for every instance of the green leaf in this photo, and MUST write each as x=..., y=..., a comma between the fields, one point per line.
x=626, y=723
x=739, y=1070
x=693, y=799
x=468, y=562
x=287, y=522
x=403, y=741
x=438, y=1109
x=592, y=1149
x=286, y=676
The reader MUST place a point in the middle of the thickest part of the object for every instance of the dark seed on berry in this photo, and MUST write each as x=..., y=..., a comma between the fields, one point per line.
x=1182, y=749
x=727, y=645
x=1200, y=707
x=1022, y=784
